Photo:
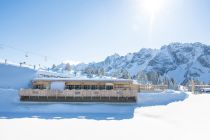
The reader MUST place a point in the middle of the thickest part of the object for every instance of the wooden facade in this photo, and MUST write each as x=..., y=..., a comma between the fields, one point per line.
x=80, y=90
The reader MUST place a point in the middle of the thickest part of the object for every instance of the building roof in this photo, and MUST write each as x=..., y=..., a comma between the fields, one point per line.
x=84, y=80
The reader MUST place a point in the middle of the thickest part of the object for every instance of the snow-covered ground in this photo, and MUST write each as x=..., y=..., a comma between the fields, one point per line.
x=12, y=76
x=168, y=115
x=11, y=107
x=152, y=117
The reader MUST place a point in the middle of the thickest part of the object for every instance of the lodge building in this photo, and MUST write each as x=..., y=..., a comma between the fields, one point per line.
x=80, y=90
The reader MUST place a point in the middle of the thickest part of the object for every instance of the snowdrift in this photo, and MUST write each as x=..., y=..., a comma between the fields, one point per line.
x=162, y=98
x=15, y=77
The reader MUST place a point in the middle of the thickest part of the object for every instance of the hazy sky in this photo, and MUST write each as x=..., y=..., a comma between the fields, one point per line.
x=90, y=30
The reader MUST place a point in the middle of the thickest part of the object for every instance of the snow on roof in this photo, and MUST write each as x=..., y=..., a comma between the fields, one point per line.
x=83, y=79
x=206, y=89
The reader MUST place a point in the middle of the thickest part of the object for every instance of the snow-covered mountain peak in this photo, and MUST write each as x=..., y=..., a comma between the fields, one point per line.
x=177, y=61
x=172, y=63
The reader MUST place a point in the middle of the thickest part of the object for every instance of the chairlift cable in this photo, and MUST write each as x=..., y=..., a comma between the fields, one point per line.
x=26, y=52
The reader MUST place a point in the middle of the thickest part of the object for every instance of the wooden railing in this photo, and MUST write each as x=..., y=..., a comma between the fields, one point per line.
x=152, y=87
x=78, y=93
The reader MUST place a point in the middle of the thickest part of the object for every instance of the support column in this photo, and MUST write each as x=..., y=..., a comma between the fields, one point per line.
x=193, y=87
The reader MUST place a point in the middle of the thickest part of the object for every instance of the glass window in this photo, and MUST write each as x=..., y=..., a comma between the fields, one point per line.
x=94, y=87
x=70, y=87
x=39, y=87
x=86, y=86
x=77, y=87
x=102, y=87
x=109, y=87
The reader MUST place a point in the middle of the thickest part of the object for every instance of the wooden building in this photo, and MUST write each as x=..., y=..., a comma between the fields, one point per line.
x=80, y=90
x=198, y=89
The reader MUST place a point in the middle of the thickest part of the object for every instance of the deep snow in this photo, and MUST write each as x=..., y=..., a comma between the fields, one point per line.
x=188, y=119
x=152, y=117
x=11, y=107
x=15, y=77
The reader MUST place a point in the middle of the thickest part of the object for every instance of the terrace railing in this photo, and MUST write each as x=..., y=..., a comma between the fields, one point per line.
x=78, y=93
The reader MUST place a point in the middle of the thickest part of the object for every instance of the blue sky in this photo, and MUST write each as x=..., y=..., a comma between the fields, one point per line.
x=90, y=30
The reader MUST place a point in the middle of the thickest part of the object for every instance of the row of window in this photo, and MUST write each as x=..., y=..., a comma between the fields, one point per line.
x=92, y=87
x=39, y=87
x=78, y=87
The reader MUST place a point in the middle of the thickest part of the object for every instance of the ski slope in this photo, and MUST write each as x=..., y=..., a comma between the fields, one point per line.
x=15, y=77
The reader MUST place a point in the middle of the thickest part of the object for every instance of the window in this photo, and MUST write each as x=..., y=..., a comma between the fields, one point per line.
x=39, y=87
x=77, y=87
x=86, y=86
x=109, y=87
x=70, y=87
x=94, y=87
x=102, y=87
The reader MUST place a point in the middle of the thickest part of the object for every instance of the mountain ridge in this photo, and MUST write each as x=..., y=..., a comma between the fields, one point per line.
x=173, y=63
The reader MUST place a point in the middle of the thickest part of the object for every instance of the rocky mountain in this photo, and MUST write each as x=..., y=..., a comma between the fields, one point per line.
x=176, y=63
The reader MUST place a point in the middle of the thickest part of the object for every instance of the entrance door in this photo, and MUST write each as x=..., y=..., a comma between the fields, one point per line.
x=57, y=85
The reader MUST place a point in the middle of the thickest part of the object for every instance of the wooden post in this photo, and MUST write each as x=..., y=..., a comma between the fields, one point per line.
x=193, y=87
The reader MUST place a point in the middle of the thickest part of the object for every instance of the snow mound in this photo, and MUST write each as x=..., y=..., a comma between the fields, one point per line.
x=162, y=98
x=15, y=77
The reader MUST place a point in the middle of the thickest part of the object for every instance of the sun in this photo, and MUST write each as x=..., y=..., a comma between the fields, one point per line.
x=152, y=9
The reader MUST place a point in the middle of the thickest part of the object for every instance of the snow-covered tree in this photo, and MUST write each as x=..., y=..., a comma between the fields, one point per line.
x=68, y=67
x=53, y=66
